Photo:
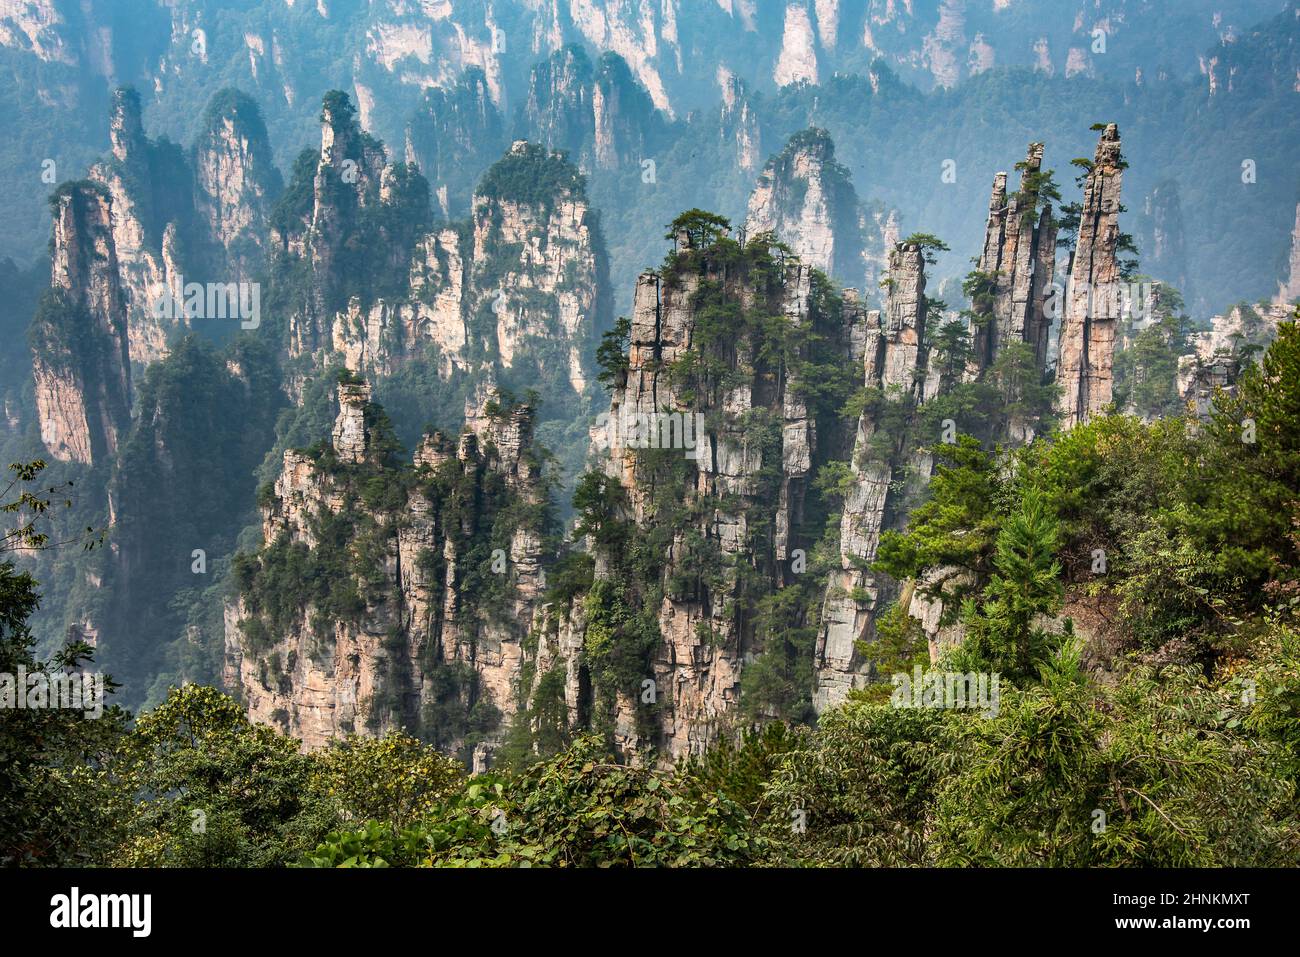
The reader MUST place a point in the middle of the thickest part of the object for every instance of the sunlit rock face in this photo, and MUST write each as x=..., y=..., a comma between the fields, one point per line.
x=80, y=362
x=1084, y=368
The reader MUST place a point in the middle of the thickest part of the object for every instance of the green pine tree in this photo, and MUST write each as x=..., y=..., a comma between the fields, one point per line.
x=1002, y=636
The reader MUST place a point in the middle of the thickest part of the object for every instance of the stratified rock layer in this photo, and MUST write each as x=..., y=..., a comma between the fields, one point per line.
x=804, y=196
x=894, y=360
x=1092, y=309
x=80, y=363
x=1019, y=254
x=439, y=617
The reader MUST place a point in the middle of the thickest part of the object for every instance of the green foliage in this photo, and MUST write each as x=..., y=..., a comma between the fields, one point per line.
x=955, y=527
x=929, y=243
x=951, y=351
x=899, y=645
x=1002, y=636
x=860, y=786
x=778, y=681
x=395, y=779
x=57, y=808
x=700, y=226
x=1037, y=188
x=611, y=354
x=739, y=770
x=620, y=637
x=197, y=752
x=293, y=209
x=600, y=502
x=1154, y=772
x=532, y=176
x=576, y=810
x=1245, y=516
x=980, y=288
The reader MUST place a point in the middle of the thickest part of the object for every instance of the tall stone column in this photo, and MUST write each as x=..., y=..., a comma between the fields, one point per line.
x=1092, y=305
x=895, y=349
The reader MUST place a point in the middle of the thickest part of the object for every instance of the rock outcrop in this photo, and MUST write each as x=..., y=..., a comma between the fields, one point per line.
x=739, y=125
x=1164, y=242
x=805, y=197
x=802, y=195
x=346, y=182
x=710, y=448
x=1092, y=307
x=456, y=134
x=146, y=248
x=599, y=113
x=430, y=575
x=1225, y=349
x=1018, y=259
x=797, y=62
x=1288, y=290
x=436, y=579
x=236, y=183
x=80, y=361
x=894, y=362
x=522, y=283
x=181, y=218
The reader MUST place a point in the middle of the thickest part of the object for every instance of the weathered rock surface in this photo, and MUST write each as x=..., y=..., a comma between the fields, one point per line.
x=597, y=112
x=739, y=126
x=423, y=640
x=456, y=133
x=741, y=504
x=80, y=361
x=1020, y=255
x=1088, y=324
x=894, y=363
x=805, y=197
x=1221, y=354
x=526, y=271
x=180, y=218
x=236, y=182
x=1289, y=289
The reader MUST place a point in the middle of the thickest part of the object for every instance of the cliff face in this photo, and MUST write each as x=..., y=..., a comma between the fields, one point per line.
x=236, y=182
x=517, y=288
x=434, y=571
x=1018, y=259
x=146, y=248
x=599, y=113
x=282, y=53
x=79, y=336
x=805, y=197
x=698, y=509
x=1164, y=242
x=536, y=256
x=1092, y=307
x=455, y=134
x=184, y=217
x=1222, y=351
x=802, y=195
x=893, y=365
x=390, y=596
x=739, y=126
x=1288, y=290
x=346, y=184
